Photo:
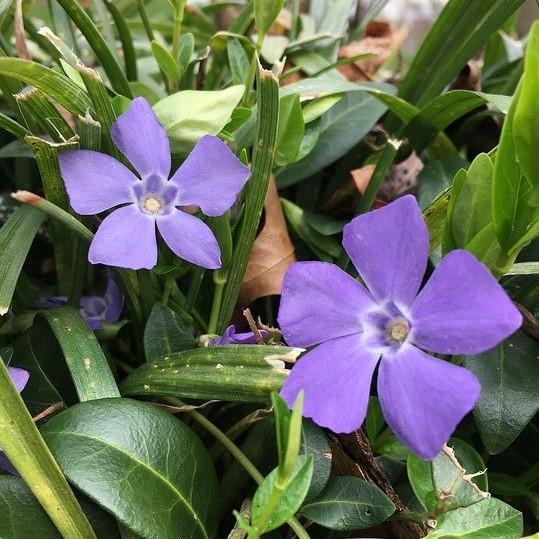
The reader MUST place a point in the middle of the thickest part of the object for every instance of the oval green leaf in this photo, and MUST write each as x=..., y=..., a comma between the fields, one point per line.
x=116, y=445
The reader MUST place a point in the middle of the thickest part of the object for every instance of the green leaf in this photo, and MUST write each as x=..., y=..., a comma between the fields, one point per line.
x=189, y=115
x=186, y=50
x=290, y=131
x=472, y=207
x=38, y=352
x=484, y=520
x=374, y=423
x=234, y=372
x=287, y=499
x=315, y=108
x=238, y=61
x=435, y=217
x=166, y=62
x=116, y=445
x=341, y=128
x=460, y=30
x=420, y=476
x=454, y=486
x=266, y=12
x=315, y=443
x=27, y=451
x=99, y=46
x=50, y=82
x=16, y=236
x=87, y=364
x=325, y=247
x=349, y=503
x=21, y=516
x=526, y=116
x=513, y=196
x=509, y=389
x=166, y=333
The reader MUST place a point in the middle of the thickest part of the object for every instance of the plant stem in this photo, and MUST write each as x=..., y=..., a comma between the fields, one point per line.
x=177, y=32
x=237, y=453
x=217, y=300
x=145, y=20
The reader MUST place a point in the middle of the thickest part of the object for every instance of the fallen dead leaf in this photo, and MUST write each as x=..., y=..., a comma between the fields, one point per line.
x=20, y=36
x=401, y=179
x=272, y=253
x=380, y=42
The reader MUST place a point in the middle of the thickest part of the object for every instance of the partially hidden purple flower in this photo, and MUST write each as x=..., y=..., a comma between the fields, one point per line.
x=94, y=309
x=20, y=378
x=231, y=337
x=461, y=310
x=211, y=178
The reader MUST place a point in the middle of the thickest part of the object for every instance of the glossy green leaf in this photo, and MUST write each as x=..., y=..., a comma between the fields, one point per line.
x=25, y=448
x=488, y=519
x=341, y=128
x=349, y=503
x=85, y=359
x=526, y=116
x=189, y=115
x=374, y=422
x=472, y=207
x=21, y=516
x=435, y=218
x=234, y=372
x=166, y=62
x=460, y=30
x=266, y=12
x=166, y=333
x=509, y=389
x=37, y=351
x=16, y=236
x=315, y=443
x=290, y=130
x=50, y=82
x=274, y=503
x=315, y=108
x=238, y=61
x=186, y=50
x=118, y=445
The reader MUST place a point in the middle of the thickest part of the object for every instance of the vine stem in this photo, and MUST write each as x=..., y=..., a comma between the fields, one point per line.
x=238, y=454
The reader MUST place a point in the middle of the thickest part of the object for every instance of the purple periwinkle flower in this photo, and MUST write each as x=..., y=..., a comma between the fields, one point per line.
x=231, y=337
x=461, y=310
x=94, y=309
x=20, y=378
x=211, y=178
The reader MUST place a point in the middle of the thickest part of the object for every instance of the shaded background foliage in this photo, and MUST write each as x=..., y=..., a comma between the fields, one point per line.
x=354, y=114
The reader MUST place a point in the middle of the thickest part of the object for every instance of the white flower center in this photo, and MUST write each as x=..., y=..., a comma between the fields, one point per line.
x=152, y=204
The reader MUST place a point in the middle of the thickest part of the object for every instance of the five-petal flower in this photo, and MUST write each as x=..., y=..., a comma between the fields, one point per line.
x=211, y=178
x=461, y=310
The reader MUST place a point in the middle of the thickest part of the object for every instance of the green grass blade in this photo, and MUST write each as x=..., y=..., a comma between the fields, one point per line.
x=26, y=449
x=460, y=30
x=52, y=83
x=257, y=187
x=87, y=364
x=16, y=236
x=98, y=44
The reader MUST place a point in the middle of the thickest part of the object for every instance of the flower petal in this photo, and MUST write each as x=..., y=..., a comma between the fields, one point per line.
x=389, y=248
x=319, y=301
x=231, y=337
x=6, y=465
x=19, y=377
x=211, y=177
x=424, y=399
x=190, y=239
x=115, y=301
x=126, y=239
x=462, y=309
x=142, y=139
x=335, y=378
x=95, y=181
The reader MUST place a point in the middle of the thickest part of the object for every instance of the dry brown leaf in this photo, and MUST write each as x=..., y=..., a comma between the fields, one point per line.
x=380, y=41
x=20, y=36
x=272, y=253
x=401, y=179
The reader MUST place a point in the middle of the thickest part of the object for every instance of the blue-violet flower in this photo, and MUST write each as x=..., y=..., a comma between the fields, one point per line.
x=211, y=178
x=461, y=310
x=231, y=337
